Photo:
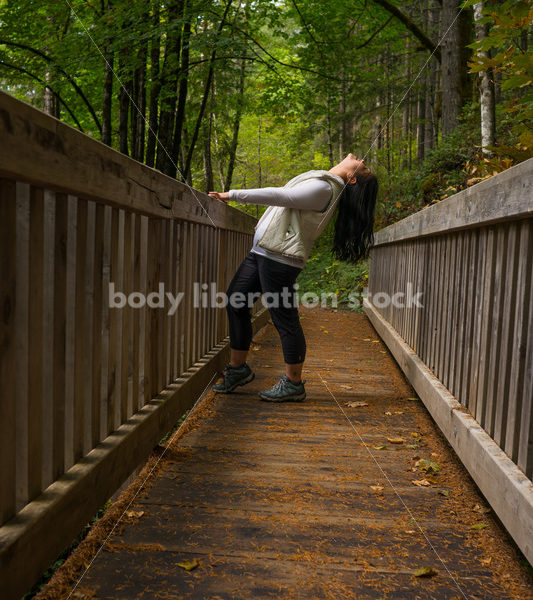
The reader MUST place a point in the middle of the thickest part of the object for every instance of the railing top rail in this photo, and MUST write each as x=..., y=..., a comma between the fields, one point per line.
x=42, y=150
x=507, y=196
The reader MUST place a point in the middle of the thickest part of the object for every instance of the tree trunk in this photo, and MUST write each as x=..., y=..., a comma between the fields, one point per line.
x=420, y=121
x=141, y=104
x=405, y=109
x=51, y=103
x=450, y=66
x=207, y=88
x=182, y=91
x=169, y=84
x=486, y=88
x=123, y=107
x=236, y=127
x=155, y=86
x=343, y=135
x=429, y=131
x=208, y=162
x=108, y=97
x=208, y=156
x=329, y=134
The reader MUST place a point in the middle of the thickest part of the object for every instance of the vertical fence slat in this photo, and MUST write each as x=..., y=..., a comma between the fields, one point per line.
x=523, y=282
x=187, y=288
x=171, y=344
x=60, y=333
x=461, y=299
x=125, y=342
x=143, y=316
x=106, y=339
x=89, y=330
x=486, y=329
x=135, y=365
x=470, y=316
x=23, y=455
x=99, y=297
x=48, y=399
x=525, y=451
x=7, y=349
x=80, y=344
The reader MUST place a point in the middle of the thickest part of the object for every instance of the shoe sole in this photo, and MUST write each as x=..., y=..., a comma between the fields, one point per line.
x=299, y=398
x=249, y=378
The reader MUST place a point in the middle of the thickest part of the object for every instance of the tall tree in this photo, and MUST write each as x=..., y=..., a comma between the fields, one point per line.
x=486, y=86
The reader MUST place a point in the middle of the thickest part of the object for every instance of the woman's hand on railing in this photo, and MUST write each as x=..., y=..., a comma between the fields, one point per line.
x=222, y=196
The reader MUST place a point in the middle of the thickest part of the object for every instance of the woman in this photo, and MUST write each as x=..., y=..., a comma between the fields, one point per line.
x=296, y=215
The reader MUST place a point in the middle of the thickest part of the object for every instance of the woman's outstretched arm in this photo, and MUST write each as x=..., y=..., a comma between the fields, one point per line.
x=313, y=194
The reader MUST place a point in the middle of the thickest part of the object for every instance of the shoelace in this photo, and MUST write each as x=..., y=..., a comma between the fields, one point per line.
x=280, y=386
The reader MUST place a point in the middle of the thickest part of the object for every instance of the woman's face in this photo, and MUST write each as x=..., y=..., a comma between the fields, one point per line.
x=354, y=166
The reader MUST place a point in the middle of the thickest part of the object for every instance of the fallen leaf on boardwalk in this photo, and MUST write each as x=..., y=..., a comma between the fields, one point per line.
x=375, y=341
x=415, y=434
x=397, y=440
x=412, y=399
x=411, y=531
x=325, y=331
x=189, y=565
x=256, y=347
x=444, y=493
x=366, y=339
x=376, y=488
x=398, y=412
x=425, y=572
x=346, y=386
x=478, y=526
x=388, y=413
x=421, y=482
x=486, y=561
x=380, y=447
x=481, y=509
x=412, y=446
x=356, y=404
x=428, y=466
x=134, y=513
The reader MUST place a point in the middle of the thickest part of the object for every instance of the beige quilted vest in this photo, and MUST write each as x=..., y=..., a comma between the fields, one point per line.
x=292, y=232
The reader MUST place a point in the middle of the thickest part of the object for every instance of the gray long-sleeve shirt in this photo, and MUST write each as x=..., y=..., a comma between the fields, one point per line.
x=313, y=194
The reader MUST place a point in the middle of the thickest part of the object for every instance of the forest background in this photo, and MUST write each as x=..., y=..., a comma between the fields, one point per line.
x=435, y=94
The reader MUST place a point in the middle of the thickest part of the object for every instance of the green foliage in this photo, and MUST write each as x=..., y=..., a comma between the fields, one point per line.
x=506, y=42
x=323, y=274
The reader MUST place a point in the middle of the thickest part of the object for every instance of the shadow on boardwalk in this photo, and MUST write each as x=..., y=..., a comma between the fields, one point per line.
x=302, y=501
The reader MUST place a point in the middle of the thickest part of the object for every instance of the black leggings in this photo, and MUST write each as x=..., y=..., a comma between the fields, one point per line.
x=260, y=275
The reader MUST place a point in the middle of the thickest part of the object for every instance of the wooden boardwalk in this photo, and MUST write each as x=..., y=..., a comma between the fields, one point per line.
x=311, y=500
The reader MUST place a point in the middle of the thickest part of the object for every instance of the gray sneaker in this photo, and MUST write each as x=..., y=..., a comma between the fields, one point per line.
x=233, y=377
x=284, y=391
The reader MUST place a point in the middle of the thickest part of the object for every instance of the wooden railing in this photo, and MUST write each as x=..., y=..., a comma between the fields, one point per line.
x=468, y=349
x=86, y=388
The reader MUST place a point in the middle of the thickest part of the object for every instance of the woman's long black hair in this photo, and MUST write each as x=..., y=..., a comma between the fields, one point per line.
x=355, y=219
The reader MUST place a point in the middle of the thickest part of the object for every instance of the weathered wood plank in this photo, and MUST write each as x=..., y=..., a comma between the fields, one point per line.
x=22, y=254
x=31, y=540
x=504, y=197
x=7, y=349
x=295, y=486
x=39, y=149
x=62, y=285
